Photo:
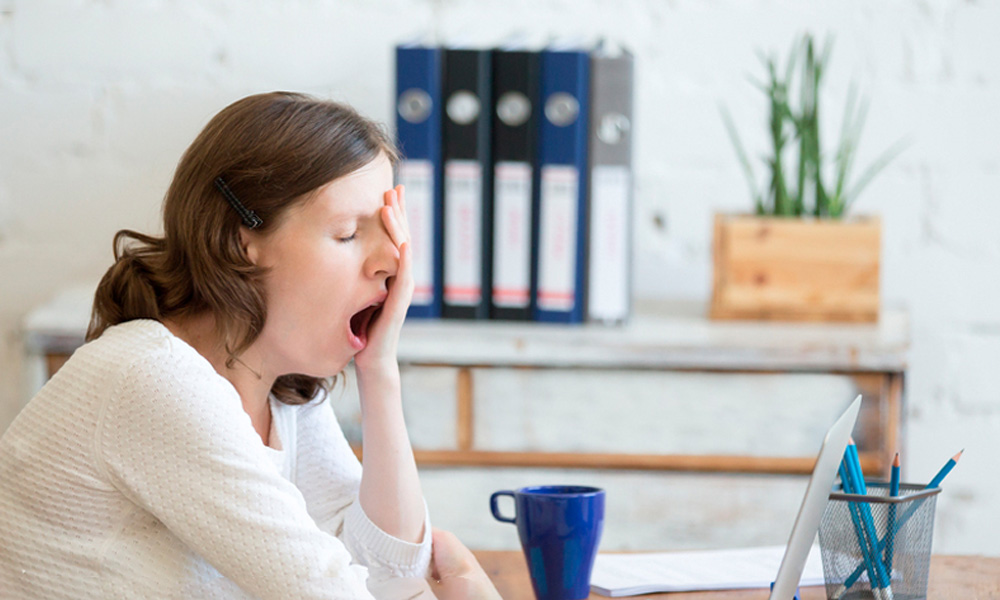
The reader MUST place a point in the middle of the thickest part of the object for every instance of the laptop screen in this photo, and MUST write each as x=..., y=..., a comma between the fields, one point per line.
x=814, y=503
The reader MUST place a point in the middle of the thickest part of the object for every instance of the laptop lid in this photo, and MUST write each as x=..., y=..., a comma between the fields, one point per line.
x=814, y=503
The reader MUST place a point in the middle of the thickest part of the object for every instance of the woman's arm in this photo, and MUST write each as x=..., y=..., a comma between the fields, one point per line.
x=329, y=476
x=390, y=489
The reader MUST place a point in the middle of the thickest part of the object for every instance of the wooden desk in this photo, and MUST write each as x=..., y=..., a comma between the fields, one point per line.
x=952, y=577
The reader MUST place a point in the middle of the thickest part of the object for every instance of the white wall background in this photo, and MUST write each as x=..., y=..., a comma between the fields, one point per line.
x=98, y=99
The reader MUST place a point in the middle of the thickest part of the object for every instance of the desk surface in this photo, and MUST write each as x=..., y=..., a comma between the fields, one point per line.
x=952, y=577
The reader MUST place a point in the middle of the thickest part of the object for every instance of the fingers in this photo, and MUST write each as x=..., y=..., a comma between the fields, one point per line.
x=394, y=219
x=401, y=195
x=395, y=200
x=398, y=203
x=404, y=274
x=401, y=285
x=393, y=226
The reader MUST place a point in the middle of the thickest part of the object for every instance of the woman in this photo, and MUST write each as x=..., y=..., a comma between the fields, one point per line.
x=185, y=450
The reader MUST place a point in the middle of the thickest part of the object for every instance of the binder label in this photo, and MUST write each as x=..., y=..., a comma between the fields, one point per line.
x=609, y=245
x=463, y=203
x=558, y=235
x=418, y=177
x=512, y=234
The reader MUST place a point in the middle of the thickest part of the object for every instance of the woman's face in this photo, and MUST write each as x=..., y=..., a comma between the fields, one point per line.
x=329, y=259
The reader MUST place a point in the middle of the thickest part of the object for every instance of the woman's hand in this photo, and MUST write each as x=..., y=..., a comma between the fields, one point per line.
x=390, y=488
x=455, y=573
x=379, y=356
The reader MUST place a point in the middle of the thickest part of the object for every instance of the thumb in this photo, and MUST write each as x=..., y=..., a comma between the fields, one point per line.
x=450, y=557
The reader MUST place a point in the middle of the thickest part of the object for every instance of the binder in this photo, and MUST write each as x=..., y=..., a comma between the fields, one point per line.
x=418, y=131
x=609, y=268
x=562, y=214
x=515, y=125
x=468, y=209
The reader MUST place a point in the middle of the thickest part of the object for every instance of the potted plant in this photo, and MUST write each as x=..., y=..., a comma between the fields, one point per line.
x=799, y=257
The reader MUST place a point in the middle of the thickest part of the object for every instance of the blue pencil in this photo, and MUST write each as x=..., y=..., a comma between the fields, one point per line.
x=948, y=466
x=865, y=509
x=907, y=514
x=890, y=526
x=854, y=510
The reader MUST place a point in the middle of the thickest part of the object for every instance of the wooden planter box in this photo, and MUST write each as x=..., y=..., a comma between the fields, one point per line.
x=796, y=269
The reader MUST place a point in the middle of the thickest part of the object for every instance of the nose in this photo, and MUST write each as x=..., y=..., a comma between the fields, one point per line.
x=382, y=257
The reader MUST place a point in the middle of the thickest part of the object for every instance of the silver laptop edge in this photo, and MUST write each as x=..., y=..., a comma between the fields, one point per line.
x=814, y=503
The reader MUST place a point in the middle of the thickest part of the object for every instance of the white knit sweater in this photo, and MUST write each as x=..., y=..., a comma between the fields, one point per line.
x=135, y=473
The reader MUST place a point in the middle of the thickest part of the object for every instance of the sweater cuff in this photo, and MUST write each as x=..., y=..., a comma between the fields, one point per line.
x=399, y=555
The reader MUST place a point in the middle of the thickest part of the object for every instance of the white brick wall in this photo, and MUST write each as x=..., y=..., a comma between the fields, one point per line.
x=98, y=98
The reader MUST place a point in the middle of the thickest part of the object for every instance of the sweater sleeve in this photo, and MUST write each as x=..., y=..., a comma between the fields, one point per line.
x=175, y=440
x=329, y=475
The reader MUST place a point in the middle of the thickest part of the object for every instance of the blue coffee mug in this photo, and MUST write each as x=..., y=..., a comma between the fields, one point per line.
x=560, y=528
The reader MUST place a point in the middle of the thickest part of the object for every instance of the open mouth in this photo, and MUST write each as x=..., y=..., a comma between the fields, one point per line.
x=360, y=323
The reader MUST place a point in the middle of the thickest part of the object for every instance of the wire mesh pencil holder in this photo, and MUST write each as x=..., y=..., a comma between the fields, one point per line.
x=878, y=546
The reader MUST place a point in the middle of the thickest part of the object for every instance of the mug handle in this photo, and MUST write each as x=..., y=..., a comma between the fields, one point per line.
x=495, y=509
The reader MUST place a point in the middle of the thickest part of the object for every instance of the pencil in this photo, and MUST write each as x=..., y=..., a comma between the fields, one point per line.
x=855, y=512
x=936, y=482
x=865, y=509
x=890, y=526
x=907, y=514
x=948, y=466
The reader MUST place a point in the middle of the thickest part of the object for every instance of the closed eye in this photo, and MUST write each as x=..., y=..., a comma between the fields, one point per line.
x=346, y=239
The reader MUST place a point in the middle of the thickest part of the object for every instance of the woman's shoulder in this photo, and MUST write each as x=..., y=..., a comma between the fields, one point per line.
x=164, y=381
x=144, y=348
x=137, y=331
x=140, y=338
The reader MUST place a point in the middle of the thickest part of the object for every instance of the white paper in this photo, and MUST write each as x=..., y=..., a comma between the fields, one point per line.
x=463, y=206
x=418, y=178
x=558, y=237
x=512, y=234
x=629, y=574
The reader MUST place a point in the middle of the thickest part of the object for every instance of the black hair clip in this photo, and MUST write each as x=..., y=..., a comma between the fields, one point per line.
x=250, y=218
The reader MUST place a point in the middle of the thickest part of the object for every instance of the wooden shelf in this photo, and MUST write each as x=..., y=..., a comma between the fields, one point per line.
x=663, y=337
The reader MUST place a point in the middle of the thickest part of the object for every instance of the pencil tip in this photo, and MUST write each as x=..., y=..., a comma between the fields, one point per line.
x=895, y=461
x=850, y=441
x=959, y=455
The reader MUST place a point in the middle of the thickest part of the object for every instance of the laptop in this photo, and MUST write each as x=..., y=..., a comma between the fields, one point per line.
x=814, y=503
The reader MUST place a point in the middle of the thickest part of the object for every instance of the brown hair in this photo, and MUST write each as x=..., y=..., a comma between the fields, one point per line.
x=273, y=150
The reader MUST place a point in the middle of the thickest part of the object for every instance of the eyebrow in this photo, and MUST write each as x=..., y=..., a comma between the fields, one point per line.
x=354, y=215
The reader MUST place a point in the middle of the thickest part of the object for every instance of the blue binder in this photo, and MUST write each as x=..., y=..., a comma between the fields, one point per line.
x=418, y=131
x=562, y=210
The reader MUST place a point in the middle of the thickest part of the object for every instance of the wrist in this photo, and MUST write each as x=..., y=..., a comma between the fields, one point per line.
x=378, y=386
x=380, y=364
x=378, y=373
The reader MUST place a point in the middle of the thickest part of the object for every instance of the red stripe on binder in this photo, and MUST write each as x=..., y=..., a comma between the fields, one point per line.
x=463, y=293
x=555, y=295
x=510, y=293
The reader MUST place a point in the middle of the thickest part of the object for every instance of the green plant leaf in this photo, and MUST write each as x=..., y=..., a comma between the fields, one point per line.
x=845, y=149
x=808, y=182
x=880, y=163
x=741, y=154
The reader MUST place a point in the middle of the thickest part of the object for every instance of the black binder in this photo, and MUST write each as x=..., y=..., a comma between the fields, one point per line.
x=468, y=183
x=515, y=184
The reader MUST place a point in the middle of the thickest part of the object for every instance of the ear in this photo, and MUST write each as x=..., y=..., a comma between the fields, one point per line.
x=250, y=243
